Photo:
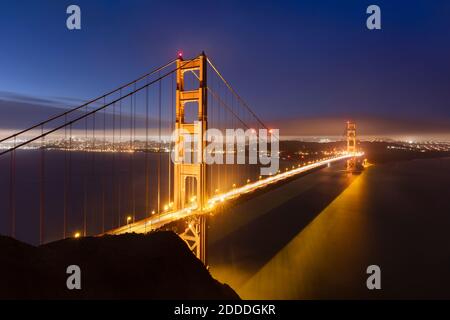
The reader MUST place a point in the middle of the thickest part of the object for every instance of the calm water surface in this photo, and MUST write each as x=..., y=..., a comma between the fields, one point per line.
x=314, y=237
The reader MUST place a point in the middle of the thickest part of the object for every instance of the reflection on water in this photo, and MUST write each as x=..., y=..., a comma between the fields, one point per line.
x=321, y=253
x=244, y=238
x=395, y=216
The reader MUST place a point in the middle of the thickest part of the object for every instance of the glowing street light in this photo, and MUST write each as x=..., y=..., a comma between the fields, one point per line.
x=76, y=235
x=128, y=223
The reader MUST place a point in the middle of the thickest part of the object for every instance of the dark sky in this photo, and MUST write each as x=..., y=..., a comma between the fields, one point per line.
x=288, y=59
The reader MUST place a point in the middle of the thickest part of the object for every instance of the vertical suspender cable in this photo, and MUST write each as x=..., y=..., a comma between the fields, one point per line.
x=65, y=180
x=133, y=196
x=85, y=173
x=119, y=196
x=219, y=126
x=147, y=182
x=12, y=191
x=42, y=189
x=130, y=173
x=210, y=166
x=69, y=168
x=93, y=180
x=234, y=126
x=172, y=123
x=103, y=169
x=159, y=144
x=113, y=171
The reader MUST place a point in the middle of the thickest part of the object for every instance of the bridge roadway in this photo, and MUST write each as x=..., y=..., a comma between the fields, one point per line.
x=159, y=220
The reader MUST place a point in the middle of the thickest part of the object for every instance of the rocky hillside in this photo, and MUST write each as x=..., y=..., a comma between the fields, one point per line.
x=158, y=265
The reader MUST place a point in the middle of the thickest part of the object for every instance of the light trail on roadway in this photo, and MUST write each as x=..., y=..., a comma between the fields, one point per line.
x=158, y=221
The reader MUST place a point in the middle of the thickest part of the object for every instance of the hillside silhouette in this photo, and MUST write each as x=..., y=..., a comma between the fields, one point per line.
x=158, y=265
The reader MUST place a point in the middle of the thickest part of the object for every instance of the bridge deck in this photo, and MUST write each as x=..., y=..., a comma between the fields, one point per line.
x=157, y=221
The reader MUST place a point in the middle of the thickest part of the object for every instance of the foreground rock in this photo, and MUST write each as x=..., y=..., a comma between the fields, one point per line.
x=154, y=266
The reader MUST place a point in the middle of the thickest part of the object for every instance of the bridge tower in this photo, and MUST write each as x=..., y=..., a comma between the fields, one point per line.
x=191, y=172
x=351, y=145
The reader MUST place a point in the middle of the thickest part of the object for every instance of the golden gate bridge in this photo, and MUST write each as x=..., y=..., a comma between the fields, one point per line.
x=104, y=167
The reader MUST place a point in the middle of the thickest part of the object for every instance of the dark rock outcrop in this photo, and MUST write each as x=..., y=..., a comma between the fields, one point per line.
x=158, y=265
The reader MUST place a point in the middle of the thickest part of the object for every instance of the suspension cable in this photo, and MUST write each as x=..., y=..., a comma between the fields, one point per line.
x=235, y=93
x=43, y=134
x=87, y=103
x=223, y=103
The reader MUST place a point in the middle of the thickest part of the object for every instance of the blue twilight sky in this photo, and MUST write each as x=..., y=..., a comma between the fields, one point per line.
x=289, y=59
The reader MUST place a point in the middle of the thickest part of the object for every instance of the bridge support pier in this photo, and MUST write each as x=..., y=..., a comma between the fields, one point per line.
x=195, y=236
